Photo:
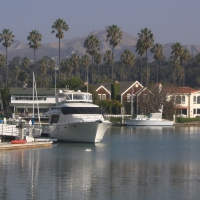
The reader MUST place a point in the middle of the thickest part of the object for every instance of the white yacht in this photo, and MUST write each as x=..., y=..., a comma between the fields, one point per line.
x=153, y=119
x=75, y=118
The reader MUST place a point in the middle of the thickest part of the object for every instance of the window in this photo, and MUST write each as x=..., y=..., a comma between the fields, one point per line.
x=183, y=99
x=198, y=111
x=128, y=96
x=194, y=111
x=178, y=99
x=103, y=96
x=80, y=110
x=99, y=95
x=194, y=99
x=198, y=100
x=145, y=98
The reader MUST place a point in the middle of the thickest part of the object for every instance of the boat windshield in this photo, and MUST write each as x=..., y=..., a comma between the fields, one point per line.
x=76, y=97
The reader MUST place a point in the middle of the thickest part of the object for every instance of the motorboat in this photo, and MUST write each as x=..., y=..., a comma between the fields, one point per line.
x=75, y=118
x=153, y=119
x=22, y=141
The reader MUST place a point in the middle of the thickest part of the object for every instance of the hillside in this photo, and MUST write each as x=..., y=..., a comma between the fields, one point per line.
x=20, y=48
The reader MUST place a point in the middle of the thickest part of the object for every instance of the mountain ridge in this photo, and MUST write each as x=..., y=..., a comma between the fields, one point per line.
x=69, y=46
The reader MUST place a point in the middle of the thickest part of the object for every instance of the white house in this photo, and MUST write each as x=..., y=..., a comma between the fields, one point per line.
x=187, y=100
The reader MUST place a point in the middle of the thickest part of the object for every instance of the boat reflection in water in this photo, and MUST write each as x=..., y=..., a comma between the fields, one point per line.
x=131, y=165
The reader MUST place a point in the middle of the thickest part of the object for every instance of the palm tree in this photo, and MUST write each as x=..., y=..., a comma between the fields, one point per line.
x=177, y=50
x=59, y=26
x=140, y=50
x=51, y=66
x=34, y=39
x=16, y=73
x=147, y=39
x=75, y=61
x=97, y=60
x=92, y=45
x=43, y=67
x=114, y=35
x=25, y=63
x=157, y=49
x=7, y=38
x=128, y=58
x=2, y=64
x=107, y=57
x=86, y=63
x=185, y=56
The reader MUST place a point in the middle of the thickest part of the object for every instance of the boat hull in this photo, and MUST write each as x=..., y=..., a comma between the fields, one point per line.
x=133, y=122
x=18, y=141
x=79, y=132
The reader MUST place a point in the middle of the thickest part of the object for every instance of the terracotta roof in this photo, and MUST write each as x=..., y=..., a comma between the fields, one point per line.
x=184, y=90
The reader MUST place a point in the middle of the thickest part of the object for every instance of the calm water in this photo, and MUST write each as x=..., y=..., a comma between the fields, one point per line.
x=131, y=163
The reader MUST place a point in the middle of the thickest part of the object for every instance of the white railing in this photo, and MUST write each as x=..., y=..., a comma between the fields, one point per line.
x=10, y=130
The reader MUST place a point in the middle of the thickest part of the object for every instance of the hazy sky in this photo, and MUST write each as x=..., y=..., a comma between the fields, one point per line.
x=169, y=20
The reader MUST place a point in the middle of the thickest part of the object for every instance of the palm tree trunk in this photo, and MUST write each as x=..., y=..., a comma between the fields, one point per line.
x=141, y=70
x=108, y=72
x=157, y=72
x=35, y=64
x=112, y=60
x=87, y=79
x=59, y=62
x=147, y=66
x=6, y=66
x=92, y=68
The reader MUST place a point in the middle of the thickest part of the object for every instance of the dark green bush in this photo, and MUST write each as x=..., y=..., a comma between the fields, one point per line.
x=186, y=120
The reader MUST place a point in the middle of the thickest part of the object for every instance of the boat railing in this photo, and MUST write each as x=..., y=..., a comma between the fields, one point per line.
x=9, y=130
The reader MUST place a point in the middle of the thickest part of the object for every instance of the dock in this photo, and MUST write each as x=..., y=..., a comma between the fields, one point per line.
x=9, y=146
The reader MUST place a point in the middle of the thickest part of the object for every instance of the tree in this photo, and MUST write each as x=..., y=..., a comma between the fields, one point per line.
x=43, y=66
x=92, y=45
x=86, y=63
x=25, y=63
x=67, y=66
x=59, y=26
x=107, y=57
x=16, y=73
x=185, y=56
x=23, y=76
x=7, y=38
x=177, y=50
x=140, y=50
x=34, y=39
x=157, y=50
x=114, y=35
x=128, y=58
x=75, y=59
x=52, y=65
x=146, y=39
x=2, y=64
x=97, y=60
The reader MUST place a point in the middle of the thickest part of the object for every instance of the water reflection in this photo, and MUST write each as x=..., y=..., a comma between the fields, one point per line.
x=133, y=163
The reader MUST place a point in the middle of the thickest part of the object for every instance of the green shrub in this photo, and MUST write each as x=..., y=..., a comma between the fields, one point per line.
x=186, y=120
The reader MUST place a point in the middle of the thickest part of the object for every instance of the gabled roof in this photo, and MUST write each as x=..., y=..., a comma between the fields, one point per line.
x=124, y=85
x=29, y=91
x=131, y=84
x=104, y=89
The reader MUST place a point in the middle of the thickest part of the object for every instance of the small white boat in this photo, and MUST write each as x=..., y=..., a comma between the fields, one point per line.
x=153, y=119
x=75, y=118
